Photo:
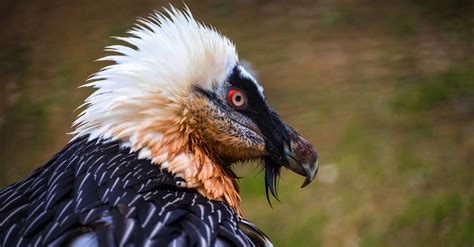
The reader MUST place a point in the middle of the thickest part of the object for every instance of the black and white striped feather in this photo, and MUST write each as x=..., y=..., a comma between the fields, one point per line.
x=100, y=194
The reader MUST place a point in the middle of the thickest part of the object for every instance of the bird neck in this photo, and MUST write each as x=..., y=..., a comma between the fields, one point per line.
x=185, y=159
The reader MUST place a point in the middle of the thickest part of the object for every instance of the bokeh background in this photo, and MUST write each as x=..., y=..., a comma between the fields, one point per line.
x=383, y=89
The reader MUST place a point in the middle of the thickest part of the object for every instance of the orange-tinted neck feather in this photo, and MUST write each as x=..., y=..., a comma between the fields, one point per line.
x=178, y=155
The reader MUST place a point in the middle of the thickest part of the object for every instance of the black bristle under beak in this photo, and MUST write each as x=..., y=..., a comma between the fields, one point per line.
x=272, y=175
x=277, y=138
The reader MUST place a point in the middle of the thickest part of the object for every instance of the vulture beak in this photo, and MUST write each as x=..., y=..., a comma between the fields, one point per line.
x=286, y=148
x=301, y=157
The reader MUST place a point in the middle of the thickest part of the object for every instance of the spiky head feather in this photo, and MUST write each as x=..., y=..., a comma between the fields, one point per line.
x=152, y=74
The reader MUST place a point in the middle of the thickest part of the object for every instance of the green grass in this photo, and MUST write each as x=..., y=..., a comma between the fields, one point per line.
x=447, y=215
x=24, y=126
x=450, y=87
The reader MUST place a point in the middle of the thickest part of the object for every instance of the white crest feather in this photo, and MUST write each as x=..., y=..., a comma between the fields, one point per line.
x=163, y=58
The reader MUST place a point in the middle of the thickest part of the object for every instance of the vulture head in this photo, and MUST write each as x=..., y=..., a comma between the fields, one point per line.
x=177, y=94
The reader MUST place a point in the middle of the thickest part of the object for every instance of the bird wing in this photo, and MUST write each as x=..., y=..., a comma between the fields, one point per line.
x=100, y=193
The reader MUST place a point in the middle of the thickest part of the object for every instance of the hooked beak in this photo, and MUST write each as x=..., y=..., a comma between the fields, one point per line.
x=285, y=147
x=302, y=159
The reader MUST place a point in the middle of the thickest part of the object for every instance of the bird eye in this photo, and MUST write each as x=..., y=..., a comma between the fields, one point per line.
x=236, y=98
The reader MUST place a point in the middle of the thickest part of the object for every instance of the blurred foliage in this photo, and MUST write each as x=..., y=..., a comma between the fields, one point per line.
x=453, y=86
x=451, y=15
x=383, y=89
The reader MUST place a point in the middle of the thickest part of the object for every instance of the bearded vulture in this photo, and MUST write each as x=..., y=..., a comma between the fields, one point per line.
x=150, y=160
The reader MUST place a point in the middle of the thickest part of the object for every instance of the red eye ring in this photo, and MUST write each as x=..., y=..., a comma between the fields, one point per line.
x=236, y=98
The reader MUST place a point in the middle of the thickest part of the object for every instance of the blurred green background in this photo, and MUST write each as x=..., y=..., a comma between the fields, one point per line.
x=383, y=89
